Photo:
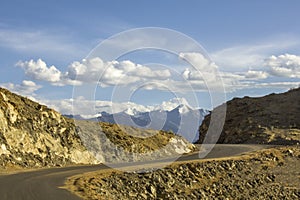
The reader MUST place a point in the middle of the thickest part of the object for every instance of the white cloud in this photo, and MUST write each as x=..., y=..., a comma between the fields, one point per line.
x=26, y=88
x=112, y=72
x=199, y=62
x=286, y=65
x=255, y=75
x=204, y=75
x=142, y=71
x=38, y=70
x=284, y=85
x=92, y=71
x=241, y=57
x=208, y=77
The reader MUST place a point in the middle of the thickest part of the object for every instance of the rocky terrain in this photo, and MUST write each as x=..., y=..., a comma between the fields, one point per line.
x=112, y=143
x=272, y=119
x=32, y=135
x=266, y=174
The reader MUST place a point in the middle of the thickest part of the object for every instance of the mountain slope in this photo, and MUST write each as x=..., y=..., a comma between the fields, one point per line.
x=32, y=135
x=272, y=119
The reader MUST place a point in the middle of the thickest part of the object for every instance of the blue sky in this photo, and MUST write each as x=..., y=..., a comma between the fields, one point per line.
x=255, y=46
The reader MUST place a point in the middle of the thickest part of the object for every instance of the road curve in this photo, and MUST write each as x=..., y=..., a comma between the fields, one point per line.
x=45, y=184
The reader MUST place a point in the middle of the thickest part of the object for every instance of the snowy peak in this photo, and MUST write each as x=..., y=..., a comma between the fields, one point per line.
x=184, y=109
x=172, y=104
x=175, y=115
x=132, y=111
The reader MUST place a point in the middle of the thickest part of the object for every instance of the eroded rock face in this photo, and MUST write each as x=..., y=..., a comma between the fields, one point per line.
x=32, y=135
x=272, y=119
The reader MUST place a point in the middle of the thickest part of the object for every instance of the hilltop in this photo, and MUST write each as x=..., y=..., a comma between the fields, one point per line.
x=271, y=119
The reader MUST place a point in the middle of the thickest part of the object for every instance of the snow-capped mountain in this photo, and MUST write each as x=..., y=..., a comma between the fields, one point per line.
x=175, y=115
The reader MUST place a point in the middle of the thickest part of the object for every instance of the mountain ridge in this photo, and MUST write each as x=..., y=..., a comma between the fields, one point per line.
x=158, y=119
x=271, y=119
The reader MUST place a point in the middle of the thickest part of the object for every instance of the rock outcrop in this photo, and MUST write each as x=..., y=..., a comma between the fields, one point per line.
x=272, y=119
x=32, y=135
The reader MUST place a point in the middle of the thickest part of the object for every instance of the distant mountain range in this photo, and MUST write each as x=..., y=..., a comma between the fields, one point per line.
x=182, y=119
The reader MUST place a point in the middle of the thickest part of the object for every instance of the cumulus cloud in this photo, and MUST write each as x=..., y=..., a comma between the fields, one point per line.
x=206, y=75
x=203, y=74
x=112, y=72
x=39, y=70
x=200, y=62
x=26, y=88
x=286, y=65
x=93, y=70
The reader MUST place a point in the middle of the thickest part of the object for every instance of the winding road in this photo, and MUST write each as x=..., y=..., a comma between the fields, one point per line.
x=46, y=184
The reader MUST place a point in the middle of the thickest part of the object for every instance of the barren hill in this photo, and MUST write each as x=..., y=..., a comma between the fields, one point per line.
x=32, y=135
x=272, y=119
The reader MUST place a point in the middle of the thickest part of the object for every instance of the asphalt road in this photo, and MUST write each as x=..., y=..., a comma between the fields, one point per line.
x=45, y=184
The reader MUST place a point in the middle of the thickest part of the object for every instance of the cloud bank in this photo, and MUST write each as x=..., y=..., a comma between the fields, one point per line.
x=93, y=70
x=201, y=75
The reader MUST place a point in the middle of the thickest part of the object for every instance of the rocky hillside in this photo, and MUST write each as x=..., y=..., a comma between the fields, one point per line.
x=255, y=176
x=272, y=119
x=32, y=135
x=112, y=143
